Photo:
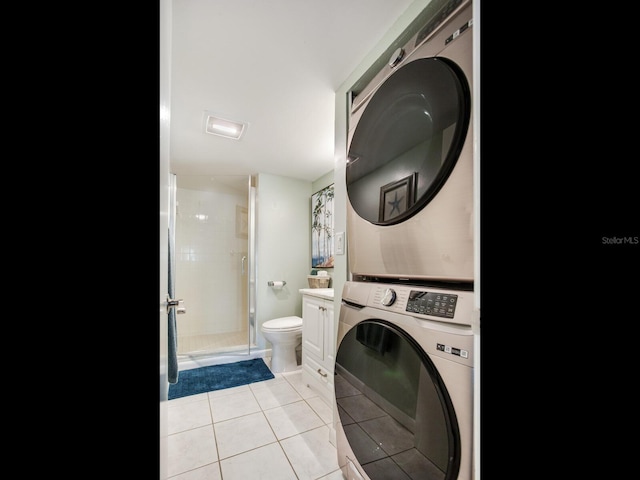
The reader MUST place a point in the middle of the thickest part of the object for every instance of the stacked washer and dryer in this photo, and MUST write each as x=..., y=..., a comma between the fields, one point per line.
x=405, y=348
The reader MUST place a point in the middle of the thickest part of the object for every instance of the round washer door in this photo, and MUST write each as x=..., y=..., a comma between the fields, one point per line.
x=408, y=140
x=393, y=406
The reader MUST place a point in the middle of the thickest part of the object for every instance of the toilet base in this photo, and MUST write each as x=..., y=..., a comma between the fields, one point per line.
x=283, y=358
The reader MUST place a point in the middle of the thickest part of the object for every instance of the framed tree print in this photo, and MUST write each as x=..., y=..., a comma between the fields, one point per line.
x=322, y=253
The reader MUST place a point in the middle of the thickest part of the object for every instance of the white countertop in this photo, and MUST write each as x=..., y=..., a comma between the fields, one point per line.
x=326, y=293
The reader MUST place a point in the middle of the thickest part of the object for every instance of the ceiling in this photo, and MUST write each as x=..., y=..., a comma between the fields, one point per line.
x=274, y=64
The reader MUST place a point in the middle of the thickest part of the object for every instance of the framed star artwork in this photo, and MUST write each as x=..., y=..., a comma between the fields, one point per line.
x=397, y=197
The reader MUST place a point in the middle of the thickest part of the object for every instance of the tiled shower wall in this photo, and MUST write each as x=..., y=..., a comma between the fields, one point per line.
x=208, y=262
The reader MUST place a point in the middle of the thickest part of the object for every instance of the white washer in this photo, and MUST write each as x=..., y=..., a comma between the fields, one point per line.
x=404, y=383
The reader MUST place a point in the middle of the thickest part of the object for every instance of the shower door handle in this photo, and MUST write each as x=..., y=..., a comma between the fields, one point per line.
x=177, y=304
x=244, y=259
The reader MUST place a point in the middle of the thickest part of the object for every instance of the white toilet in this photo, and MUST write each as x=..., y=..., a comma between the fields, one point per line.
x=285, y=334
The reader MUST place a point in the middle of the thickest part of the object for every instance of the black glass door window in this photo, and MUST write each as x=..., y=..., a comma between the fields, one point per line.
x=408, y=140
x=393, y=406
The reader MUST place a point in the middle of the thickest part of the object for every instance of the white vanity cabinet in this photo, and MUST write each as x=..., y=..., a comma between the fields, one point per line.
x=318, y=341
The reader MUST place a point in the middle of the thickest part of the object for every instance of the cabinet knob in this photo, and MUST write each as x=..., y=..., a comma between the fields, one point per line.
x=320, y=372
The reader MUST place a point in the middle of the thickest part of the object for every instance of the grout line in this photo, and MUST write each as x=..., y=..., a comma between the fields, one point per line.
x=289, y=379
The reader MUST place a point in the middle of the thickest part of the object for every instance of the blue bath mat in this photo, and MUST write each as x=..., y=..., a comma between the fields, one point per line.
x=217, y=377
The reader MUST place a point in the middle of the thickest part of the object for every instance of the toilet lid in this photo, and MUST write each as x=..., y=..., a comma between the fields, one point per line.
x=283, y=324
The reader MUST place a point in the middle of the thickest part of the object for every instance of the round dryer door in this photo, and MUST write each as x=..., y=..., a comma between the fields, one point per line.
x=394, y=408
x=408, y=140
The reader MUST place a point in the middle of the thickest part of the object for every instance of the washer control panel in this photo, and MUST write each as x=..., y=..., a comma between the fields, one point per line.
x=429, y=303
x=420, y=302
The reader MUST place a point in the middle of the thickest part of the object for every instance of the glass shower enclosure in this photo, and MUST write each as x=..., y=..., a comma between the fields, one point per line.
x=213, y=241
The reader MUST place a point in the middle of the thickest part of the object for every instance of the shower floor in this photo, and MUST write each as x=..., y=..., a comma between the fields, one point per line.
x=212, y=343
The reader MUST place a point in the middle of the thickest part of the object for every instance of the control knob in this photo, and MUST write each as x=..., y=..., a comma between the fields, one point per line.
x=389, y=297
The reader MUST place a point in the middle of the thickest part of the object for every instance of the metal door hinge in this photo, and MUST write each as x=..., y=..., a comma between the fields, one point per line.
x=177, y=304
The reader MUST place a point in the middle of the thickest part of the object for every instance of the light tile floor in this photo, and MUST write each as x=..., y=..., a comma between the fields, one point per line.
x=272, y=430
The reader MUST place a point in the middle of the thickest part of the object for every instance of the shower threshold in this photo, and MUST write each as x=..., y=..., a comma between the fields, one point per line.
x=206, y=358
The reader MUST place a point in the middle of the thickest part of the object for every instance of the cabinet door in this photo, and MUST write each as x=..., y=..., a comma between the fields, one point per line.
x=313, y=316
x=329, y=335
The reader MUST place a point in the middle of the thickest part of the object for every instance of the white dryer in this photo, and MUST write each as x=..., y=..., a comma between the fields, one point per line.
x=404, y=383
x=409, y=171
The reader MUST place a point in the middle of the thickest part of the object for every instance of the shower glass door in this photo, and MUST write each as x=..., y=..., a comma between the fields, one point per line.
x=214, y=264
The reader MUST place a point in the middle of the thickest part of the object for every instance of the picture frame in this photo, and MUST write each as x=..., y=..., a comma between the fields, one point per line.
x=322, y=253
x=396, y=198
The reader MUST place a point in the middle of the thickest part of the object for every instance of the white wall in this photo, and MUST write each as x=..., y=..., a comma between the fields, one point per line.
x=283, y=246
x=321, y=183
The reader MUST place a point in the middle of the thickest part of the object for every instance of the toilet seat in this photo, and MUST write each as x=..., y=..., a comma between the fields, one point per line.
x=284, y=324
